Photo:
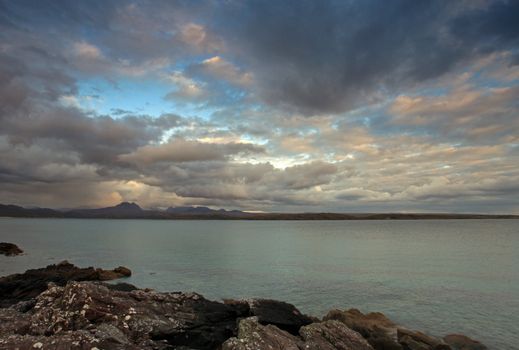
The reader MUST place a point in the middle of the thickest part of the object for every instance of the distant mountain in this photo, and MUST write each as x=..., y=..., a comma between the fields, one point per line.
x=124, y=209
x=17, y=211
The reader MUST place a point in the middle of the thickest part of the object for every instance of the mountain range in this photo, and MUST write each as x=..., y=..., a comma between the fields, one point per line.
x=128, y=210
x=122, y=210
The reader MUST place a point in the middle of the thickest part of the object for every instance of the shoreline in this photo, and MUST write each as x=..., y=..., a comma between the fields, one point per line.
x=63, y=306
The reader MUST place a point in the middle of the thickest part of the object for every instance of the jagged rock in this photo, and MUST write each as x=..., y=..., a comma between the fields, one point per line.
x=9, y=249
x=97, y=316
x=283, y=315
x=379, y=331
x=20, y=287
x=328, y=335
x=461, y=342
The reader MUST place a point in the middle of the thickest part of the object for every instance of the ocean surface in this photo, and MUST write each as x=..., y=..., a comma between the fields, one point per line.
x=439, y=276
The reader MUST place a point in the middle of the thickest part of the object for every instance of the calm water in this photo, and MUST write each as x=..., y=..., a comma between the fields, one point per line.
x=438, y=276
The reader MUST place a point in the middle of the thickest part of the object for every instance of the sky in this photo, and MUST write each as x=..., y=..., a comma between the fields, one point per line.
x=284, y=106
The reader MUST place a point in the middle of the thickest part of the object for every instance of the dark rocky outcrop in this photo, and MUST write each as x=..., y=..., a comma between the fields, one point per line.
x=25, y=286
x=9, y=249
x=89, y=314
x=51, y=308
x=280, y=314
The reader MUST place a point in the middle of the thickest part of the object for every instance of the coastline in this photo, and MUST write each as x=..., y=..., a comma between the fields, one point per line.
x=72, y=307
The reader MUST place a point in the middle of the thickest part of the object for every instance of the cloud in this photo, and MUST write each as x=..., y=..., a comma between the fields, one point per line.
x=469, y=112
x=84, y=50
x=289, y=106
x=197, y=36
x=219, y=68
x=187, y=89
x=331, y=57
x=179, y=150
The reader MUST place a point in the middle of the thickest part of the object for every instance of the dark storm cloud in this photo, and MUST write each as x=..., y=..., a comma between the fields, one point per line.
x=488, y=28
x=311, y=56
x=327, y=56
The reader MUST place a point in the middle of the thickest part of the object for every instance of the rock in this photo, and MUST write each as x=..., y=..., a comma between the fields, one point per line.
x=20, y=287
x=283, y=315
x=253, y=335
x=123, y=287
x=383, y=334
x=379, y=331
x=328, y=335
x=9, y=249
x=118, y=272
x=461, y=342
x=126, y=272
x=332, y=335
x=96, y=316
x=419, y=341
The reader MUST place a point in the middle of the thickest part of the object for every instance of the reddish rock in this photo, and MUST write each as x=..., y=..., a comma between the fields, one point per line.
x=419, y=341
x=462, y=342
x=379, y=331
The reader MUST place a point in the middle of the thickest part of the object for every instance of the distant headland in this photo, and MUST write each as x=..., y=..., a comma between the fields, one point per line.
x=130, y=210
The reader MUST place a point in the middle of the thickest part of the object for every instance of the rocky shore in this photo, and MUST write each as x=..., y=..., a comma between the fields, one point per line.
x=66, y=307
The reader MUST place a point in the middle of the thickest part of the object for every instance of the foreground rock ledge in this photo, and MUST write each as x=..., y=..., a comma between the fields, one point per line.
x=95, y=315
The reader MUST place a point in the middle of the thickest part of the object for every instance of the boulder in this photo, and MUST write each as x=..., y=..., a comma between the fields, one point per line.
x=254, y=335
x=375, y=327
x=20, y=287
x=280, y=314
x=462, y=342
x=383, y=334
x=118, y=272
x=412, y=340
x=9, y=249
x=328, y=335
x=331, y=335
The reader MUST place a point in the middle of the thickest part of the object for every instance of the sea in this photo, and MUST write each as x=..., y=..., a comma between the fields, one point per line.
x=437, y=276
